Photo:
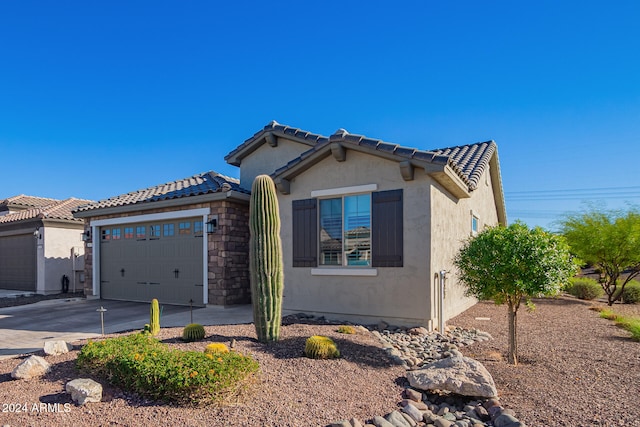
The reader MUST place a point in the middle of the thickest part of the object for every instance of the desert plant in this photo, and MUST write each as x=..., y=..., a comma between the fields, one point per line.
x=321, y=347
x=216, y=347
x=631, y=293
x=265, y=259
x=584, y=288
x=511, y=265
x=346, y=329
x=193, y=332
x=141, y=364
x=154, y=323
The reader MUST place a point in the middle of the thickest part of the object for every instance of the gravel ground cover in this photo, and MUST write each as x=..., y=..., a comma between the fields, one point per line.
x=576, y=369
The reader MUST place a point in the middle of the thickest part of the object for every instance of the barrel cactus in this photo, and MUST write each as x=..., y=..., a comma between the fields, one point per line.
x=321, y=347
x=154, y=323
x=265, y=259
x=193, y=332
x=216, y=347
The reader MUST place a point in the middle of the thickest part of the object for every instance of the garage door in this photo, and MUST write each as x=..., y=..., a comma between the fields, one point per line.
x=160, y=260
x=18, y=262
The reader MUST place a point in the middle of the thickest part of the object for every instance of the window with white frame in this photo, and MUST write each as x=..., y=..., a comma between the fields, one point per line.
x=475, y=224
x=345, y=231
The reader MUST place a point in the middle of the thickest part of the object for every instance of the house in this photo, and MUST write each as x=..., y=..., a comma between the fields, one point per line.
x=40, y=242
x=369, y=228
x=183, y=242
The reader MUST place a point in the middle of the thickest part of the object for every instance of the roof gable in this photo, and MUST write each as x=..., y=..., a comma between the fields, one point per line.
x=22, y=202
x=456, y=168
x=269, y=135
x=204, y=183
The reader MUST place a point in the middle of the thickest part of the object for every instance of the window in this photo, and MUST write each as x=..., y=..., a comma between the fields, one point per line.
x=141, y=232
x=345, y=231
x=475, y=224
x=128, y=232
x=197, y=227
x=168, y=229
x=184, y=228
x=106, y=234
x=154, y=231
x=362, y=230
x=115, y=234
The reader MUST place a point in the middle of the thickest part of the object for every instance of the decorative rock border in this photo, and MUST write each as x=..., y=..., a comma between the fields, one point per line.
x=416, y=347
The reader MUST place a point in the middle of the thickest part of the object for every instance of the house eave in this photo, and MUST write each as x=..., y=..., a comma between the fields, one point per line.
x=271, y=137
x=171, y=203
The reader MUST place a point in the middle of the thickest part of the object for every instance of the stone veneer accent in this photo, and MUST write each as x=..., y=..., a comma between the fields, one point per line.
x=228, y=253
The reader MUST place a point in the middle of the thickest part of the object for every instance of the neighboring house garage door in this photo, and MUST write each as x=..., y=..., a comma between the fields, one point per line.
x=18, y=262
x=160, y=260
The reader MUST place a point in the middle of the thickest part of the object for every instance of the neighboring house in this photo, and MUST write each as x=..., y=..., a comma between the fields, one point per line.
x=367, y=226
x=40, y=242
x=184, y=242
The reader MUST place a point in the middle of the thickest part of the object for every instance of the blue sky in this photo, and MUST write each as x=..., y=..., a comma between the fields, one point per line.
x=102, y=98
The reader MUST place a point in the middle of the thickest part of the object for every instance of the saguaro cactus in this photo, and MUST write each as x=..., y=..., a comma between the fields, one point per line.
x=265, y=259
x=154, y=323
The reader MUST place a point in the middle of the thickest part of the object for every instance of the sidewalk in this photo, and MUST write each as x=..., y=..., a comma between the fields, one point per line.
x=23, y=329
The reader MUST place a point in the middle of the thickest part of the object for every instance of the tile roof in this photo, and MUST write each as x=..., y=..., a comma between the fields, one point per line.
x=22, y=202
x=467, y=161
x=55, y=210
x=204, y=183
x=273, y=128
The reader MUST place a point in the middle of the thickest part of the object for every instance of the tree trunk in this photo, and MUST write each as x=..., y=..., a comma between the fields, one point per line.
x=512, y=356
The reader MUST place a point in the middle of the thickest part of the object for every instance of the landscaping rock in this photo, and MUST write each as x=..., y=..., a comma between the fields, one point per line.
x=506, y=420
x=441, y=422
x=460, y=375
x=32, y=366
x=355, y=422
x=343, y=423
x=413, y=412
x=54, y=348
x=412, y=394
x=381, y=422
x=397, y=419
x=84, y=390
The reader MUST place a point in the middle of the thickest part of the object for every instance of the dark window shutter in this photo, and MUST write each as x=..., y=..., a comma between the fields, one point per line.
x=387, y=229
x=305, y=233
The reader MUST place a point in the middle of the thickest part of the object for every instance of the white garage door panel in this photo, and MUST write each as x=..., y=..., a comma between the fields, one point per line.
x=138, y=264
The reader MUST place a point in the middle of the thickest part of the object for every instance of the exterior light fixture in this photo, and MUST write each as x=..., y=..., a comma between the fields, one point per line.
x=36, y=234
x=212, y=224
x=86, y=236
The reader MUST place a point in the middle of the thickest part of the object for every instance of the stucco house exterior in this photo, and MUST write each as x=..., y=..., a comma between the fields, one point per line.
x=369, y=228
x=183, y=242
x=40, y=242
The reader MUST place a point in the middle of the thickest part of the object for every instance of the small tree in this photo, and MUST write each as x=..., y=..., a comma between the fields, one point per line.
x=509, y=264
x=608, y=240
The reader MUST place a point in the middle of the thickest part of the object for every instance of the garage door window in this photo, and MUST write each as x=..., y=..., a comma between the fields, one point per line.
x=128, y=232
x=106, y=234
x=168, y=229
x=115, y=234
x=197, y=227
x=154, y=231
x=141, y=232
x=184, y=228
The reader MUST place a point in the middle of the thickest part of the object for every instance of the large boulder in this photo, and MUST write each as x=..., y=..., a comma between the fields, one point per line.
x=457, y=374
x=32, y=366
x=54, y=348
x=84, y=390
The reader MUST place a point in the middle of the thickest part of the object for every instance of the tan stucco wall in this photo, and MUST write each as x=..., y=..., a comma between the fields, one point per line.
x=266, y=159
x=451, y=225
x=55, y=258
x=397, y=295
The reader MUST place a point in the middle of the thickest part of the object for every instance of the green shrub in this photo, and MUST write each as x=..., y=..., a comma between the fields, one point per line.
x=346, y=329
x=321, y=347
x=193, y=332
x=584, y=288
x=140, y=363
x=631, y=293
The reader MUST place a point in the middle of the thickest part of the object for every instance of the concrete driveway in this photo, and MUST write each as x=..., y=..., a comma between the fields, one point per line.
x=24, y=329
